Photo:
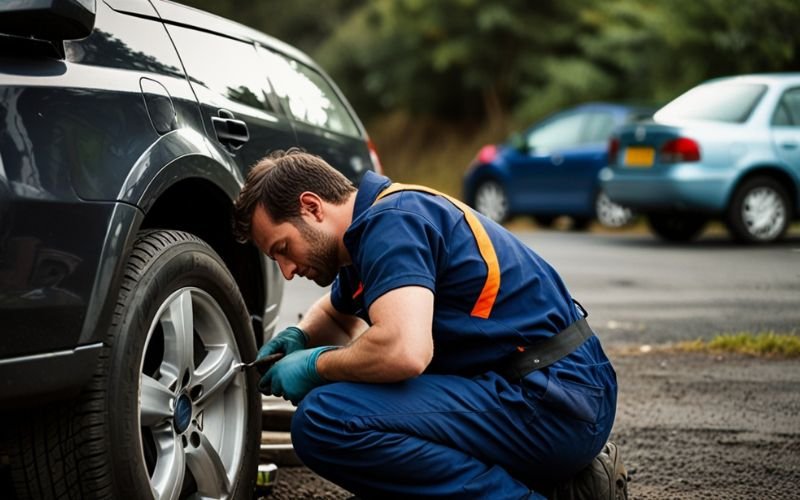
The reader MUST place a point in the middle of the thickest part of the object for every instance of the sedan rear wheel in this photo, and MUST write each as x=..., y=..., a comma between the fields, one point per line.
x=677, y=227
x=491, y=201
x=759, y=211
x=611, y=214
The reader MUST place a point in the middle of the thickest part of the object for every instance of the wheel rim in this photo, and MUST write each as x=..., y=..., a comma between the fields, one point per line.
x=611, y=214
x=763, y=213
x=490, y=200
x=193, y=402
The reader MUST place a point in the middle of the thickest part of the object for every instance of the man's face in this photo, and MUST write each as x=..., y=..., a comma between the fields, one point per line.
x=298, y=247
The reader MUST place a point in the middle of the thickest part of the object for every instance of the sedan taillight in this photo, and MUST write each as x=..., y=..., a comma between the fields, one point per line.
x=679, y=150
x=613, y=150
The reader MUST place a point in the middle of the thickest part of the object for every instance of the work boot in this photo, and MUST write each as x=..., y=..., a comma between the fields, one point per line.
x=604, y=478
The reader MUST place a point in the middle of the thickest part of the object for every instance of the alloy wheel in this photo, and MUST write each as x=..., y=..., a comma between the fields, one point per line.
x=192, y=400
x=491, y=201
x=763, y=213
x=611, y=214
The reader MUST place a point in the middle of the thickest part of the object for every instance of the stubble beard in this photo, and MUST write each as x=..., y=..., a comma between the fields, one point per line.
x=322, y=253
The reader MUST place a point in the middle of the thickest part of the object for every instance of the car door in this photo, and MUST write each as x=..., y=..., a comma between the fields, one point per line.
x=786, y=130
x=543, y=174
x=240, y=114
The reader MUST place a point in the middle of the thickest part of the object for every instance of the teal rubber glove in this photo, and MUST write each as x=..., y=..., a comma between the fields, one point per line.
x=295, y=375
x=286, y=341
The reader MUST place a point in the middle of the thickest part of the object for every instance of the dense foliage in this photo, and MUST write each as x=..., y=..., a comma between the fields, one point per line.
x=475, y=69
x=484, y=59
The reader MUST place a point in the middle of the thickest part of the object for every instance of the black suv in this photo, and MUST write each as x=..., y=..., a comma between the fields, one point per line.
x=126, y=129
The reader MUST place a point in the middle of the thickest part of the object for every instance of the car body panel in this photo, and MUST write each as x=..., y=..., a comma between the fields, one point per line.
x=50, y=257
x=91, y=145
x=729, y=153
x=558, y=180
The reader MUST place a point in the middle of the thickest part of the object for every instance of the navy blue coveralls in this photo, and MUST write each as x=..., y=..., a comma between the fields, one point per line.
x=459, y=430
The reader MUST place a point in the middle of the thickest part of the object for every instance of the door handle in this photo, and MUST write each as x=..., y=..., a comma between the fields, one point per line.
x=789, y=145
x=231, y=132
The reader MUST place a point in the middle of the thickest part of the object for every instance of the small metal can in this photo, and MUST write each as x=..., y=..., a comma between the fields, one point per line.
x=266, y=478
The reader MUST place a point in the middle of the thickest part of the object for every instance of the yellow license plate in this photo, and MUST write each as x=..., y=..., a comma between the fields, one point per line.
x=639, y=157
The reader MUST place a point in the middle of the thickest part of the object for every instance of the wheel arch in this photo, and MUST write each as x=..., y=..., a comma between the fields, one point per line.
x=480, y=177
x=200, y=207
x=773, y=172
x=190, y=188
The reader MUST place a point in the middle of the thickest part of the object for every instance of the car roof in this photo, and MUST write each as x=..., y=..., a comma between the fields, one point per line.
x=766, y=78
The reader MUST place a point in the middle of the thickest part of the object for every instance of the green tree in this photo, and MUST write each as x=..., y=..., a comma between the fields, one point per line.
x=452, y=58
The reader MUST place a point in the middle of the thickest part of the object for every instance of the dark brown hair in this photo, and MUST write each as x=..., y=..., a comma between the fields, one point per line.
x=277, y=181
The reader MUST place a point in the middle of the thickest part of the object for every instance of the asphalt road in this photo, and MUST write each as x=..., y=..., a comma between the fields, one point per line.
x=640, y=290
x=690, y=425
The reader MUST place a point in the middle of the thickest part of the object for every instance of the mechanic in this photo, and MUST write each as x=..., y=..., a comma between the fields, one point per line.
x=418, y=374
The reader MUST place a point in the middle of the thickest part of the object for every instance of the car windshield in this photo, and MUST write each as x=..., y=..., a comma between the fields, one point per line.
x=723, y=102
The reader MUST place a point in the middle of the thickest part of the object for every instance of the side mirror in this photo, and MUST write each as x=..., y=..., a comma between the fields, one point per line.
x=51, y=20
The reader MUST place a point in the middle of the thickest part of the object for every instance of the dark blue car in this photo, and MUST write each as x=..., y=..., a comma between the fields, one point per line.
x=552, y=168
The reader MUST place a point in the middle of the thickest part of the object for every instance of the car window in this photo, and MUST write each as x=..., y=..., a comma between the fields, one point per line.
x=306, y=95
x=788, y=111
x=233, y=74
x=557, y=134
x=599, y=126
x=723, y=102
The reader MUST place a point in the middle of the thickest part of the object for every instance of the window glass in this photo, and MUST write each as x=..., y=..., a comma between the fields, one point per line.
x=306, y=95
x=227, y=67
x=788, y=111
x=557, y=134
x=598, y=127
x=723, y=102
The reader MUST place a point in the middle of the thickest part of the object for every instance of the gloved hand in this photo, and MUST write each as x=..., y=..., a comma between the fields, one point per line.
x=286, y=341
x=295, y=375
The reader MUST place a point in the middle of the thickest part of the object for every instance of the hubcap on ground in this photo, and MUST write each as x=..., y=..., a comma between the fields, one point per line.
x=763, y=213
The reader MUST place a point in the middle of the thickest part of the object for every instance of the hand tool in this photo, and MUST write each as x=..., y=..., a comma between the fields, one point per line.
x=260, y=364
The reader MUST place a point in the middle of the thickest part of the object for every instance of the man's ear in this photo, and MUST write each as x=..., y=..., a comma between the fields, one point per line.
x=311, y=204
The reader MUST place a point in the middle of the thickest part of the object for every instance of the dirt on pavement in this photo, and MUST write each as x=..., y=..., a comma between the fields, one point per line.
x=690, y=425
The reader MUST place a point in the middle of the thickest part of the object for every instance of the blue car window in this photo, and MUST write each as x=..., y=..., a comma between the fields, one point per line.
x=556, y=134
x=598, y=127
x=788, y=111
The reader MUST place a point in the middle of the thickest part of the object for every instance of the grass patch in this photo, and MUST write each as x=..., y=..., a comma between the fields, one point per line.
x=786, y=345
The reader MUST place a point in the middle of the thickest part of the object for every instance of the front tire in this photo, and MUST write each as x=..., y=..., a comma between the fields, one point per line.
x=166, y=415
x=759, y=211
x=677, y=227
x=491, y=200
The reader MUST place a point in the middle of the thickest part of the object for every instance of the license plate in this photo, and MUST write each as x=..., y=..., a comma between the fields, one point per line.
x=639, y=157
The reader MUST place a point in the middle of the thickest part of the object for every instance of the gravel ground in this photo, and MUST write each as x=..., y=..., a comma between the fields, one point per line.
x=689, y=426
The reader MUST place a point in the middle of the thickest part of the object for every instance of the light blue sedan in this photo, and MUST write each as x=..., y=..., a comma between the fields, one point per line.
x=726, y=149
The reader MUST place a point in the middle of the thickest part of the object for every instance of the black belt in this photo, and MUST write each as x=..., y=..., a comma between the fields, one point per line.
x=546, y=352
